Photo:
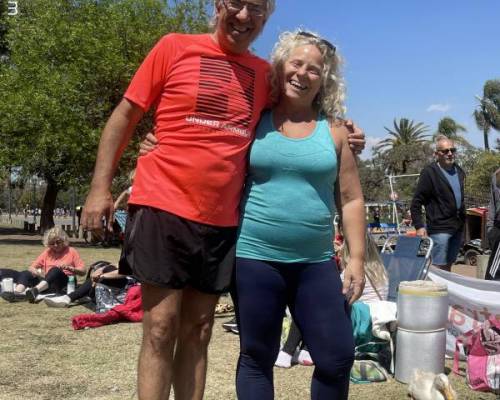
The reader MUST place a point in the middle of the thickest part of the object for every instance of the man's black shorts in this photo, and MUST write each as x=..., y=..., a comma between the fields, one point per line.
x=169, y=251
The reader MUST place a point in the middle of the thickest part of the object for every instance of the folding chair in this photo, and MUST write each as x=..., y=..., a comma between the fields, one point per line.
x=121, y=219
x=408, y=259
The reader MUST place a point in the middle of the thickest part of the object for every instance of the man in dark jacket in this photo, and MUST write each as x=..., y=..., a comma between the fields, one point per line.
x=440, y=190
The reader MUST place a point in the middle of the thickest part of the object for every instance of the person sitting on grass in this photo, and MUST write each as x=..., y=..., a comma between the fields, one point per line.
x=50, y=271
x=100, y=271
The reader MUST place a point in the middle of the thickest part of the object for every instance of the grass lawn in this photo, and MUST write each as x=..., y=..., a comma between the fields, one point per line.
x=42, y=358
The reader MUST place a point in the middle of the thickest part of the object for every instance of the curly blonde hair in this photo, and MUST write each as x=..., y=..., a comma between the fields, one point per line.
x=53, y=234
x=330, y=99
x=270, y=7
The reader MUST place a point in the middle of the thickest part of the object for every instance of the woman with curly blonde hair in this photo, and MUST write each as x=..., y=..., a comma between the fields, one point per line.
x=300, y=170
x=330, y=98
x=50, y=270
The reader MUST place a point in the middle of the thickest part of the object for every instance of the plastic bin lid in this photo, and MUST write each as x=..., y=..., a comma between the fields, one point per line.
x=423, y=288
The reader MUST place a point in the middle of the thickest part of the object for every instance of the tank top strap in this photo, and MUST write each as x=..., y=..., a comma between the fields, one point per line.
x=325, y=132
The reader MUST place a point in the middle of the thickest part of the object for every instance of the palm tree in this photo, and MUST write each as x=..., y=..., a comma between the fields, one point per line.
x=404, y=146
x=450, y=128
x=487, y=113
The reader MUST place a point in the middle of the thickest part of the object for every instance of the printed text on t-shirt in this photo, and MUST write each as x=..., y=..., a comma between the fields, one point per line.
x=225, y=99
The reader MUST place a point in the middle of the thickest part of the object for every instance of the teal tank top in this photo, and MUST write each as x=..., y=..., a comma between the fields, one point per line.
x=288, y=202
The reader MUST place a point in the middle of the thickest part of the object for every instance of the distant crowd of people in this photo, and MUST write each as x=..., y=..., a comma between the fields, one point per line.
x=34, y=212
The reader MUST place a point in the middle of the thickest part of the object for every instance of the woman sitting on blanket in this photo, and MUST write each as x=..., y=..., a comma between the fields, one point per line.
x=50, y=271
x=376, y=289
x=100, y=271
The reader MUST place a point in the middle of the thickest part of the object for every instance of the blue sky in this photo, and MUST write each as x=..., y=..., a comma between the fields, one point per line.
x=418, y=59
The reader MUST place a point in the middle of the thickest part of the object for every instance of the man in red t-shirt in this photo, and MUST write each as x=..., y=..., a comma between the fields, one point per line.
x=208, y=92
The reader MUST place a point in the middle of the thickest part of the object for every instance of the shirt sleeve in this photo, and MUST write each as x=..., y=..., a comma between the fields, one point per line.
x=77, y=261
x=420, y=199
x=40, y=260
x=147, y=84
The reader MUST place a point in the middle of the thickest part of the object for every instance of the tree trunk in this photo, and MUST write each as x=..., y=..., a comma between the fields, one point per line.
x=486, y=143
x=49, y=203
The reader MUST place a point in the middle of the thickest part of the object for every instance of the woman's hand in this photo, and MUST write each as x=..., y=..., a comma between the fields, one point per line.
x=69, y=268
x=354, y=280
x=36, y=271
x=96, y=276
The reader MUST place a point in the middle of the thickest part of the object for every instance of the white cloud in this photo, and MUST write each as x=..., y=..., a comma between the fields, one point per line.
x=439, y=108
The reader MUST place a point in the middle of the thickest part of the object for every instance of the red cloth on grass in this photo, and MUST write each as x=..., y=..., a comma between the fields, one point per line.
x=130, y=311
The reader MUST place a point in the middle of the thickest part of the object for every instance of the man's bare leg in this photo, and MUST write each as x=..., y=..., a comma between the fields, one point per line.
x=197, y=317
x=162, y=310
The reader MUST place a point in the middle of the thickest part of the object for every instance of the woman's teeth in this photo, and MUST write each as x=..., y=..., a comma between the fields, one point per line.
x=297, y=85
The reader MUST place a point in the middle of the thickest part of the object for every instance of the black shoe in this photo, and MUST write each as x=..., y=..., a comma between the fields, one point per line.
x=8, y=296
x=31, y=294
x=229, y=325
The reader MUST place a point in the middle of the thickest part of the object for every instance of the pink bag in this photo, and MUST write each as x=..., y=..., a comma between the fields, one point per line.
x=482, y=348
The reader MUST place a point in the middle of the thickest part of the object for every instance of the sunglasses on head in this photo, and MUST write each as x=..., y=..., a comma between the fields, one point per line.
x=451, y=150
x=321, y=40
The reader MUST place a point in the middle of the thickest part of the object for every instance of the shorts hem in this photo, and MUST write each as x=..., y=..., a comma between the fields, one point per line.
x=181, y=287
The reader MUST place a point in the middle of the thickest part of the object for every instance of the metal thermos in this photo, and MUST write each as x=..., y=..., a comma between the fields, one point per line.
x=419, y=350
x=422, y=306
x=421, y=335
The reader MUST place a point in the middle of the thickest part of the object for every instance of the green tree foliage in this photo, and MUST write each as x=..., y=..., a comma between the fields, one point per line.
x=70, y=62
x=406, y=146
x=479, y=171
x=487, y=113
x=373, y=181
x=373, y=174
x=3, y=30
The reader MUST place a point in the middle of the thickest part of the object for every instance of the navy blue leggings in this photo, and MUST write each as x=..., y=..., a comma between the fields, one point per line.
x=313, y=292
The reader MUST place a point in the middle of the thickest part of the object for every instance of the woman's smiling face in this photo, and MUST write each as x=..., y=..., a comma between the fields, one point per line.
x=302, y=74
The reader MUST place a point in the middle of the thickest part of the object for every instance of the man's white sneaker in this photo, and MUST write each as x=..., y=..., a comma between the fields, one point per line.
x=59, y=301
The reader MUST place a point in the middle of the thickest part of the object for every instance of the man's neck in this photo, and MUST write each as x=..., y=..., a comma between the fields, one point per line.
x=446, y=166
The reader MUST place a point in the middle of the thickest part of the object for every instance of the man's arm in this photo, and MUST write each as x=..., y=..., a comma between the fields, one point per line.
x=115, y=137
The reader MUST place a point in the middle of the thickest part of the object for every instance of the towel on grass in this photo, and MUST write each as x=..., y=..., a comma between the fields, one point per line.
x=130, y=310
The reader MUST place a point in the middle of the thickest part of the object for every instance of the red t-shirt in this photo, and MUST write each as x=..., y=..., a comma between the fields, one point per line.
x=207, y=105
x=48, y=260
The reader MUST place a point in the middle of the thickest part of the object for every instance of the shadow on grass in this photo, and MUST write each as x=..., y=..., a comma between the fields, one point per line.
x=14, y=235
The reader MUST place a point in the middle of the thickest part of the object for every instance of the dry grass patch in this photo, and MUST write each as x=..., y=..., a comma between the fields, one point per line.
x=43, y=358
